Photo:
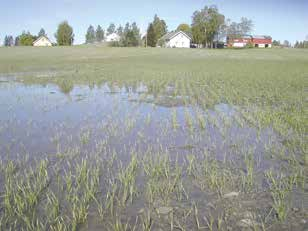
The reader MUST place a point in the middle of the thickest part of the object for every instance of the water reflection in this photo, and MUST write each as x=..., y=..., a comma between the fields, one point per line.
x=41, y=119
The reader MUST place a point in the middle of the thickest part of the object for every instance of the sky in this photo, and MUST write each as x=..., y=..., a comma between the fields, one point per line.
x=281, y=19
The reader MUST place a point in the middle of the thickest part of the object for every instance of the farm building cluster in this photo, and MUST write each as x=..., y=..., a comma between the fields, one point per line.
x=250, y=40
x=180, y=39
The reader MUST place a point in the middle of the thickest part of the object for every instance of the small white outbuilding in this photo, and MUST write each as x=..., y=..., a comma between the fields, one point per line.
x=114, y=37
x=42, y=41
x=176, y=39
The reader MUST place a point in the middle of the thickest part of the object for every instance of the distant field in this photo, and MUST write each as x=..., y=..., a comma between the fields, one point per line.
x=96, y=138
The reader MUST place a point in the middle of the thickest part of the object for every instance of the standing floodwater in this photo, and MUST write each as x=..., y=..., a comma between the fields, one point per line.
x=113, y=154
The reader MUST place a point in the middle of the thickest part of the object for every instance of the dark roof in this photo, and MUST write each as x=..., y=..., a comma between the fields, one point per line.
x=261, y=37
x=250, y=36
x=172, y=34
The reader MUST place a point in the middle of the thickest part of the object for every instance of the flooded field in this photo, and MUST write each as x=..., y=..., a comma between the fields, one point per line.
x=199, y=150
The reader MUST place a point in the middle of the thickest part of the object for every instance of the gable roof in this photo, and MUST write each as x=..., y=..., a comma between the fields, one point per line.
x=250, y=36
x=261, y=37
x=172, y=34
x=39, y=38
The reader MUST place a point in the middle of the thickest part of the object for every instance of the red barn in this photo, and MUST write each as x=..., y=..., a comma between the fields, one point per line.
x=255, y=41
x=262, y=41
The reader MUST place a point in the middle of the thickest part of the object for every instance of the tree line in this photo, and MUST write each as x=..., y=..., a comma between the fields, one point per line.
x=25, y=39
x=301, y=44
x=128, y=36
x=64, y=36
x=286, y=43
x=208, y=27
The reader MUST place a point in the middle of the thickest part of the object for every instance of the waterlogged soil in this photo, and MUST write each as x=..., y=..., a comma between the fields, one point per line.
x=216, y=176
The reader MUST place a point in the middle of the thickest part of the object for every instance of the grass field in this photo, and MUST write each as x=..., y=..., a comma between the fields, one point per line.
x=98, y=138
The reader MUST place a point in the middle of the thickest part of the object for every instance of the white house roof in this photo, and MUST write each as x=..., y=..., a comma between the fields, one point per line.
x=173, y=34
x=39, y=38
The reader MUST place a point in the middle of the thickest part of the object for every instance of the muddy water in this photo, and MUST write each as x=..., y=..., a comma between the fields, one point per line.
x=44, y=121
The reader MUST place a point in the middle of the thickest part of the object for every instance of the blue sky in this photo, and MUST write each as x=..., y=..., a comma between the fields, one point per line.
x=282, y=19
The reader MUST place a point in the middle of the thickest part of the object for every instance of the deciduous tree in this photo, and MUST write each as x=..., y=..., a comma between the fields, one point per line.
x=245, y=26
x=184, y=27
x=26, y=39
x=234, y=30
x=206, y=24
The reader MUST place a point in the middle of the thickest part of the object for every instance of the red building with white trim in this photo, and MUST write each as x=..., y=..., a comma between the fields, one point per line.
x=253, y=40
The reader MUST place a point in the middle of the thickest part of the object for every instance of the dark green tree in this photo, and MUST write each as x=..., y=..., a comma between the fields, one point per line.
x=111, y=29
x=100, y=34
x=126, y=28
x=64, y=34
x=129, y=36
x=42, y=32
x=286, y=43
x=136, y=32
x=16, y=41
x=130, y=39
x=90, y=36
x=151, y=37
x=276, y=43
x=160, y=28
x=120, y=31
x=8, y=41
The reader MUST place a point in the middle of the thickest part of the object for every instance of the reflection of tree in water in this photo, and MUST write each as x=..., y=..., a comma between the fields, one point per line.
x=91, y=85
x=65, y=86
x=153, y=89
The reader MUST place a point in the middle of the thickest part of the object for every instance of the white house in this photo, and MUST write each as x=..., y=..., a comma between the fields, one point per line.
x=114, y=37
x=42, y=41
x=178, y=39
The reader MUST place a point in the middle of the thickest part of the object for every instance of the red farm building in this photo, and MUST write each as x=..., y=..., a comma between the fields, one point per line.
x=252, y=40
